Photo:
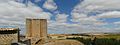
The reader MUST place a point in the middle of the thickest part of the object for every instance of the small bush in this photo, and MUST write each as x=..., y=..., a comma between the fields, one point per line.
x=98, y=41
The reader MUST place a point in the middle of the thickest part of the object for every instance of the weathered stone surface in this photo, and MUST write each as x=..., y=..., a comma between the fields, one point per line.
x=8, y=35
x=36, y=30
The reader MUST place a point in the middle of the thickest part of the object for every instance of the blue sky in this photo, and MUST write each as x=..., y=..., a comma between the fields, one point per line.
x=64, y=16
x=66, y=6
x=63, y=6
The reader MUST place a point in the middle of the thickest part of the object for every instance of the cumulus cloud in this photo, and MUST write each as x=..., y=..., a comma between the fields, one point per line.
x=61, y=18
x=117, y=22
x=14, y=13
x=97, y=6
x=2, y=1
x=20, y=1
x=50, y=5
x=101, y=4
x=84, y=19
x=86, y=23
x=111, y=14
x=37, y=0
x=78, y=15
x=58, y=27
x=106, y=9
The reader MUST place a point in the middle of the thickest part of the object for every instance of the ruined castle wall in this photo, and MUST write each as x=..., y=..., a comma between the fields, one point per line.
x=36, y=30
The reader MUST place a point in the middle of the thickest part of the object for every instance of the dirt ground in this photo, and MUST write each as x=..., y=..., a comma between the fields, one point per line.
x=64, y=42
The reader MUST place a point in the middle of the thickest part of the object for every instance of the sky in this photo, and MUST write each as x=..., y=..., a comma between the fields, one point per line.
x=64, y=16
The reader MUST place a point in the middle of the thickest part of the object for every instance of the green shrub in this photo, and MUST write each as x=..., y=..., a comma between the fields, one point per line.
x=98, y=41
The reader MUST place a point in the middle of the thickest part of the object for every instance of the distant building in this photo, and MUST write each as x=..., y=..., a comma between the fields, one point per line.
x=9, y=35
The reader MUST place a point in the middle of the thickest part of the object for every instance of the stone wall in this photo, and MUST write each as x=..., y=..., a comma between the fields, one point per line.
x=36, y=30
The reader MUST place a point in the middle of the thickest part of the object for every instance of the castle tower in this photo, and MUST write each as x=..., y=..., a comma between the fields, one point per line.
x=36, y=30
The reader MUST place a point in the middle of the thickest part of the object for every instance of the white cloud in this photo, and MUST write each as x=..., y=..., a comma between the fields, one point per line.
x=20, y=1
x=12, y=12
x=97, y=6
x=37, y=0
x=117, y=22
x=58, y=27
x=112, y=14
x=84, y=19
x=15, y=13
x=86, y=23
x=61, y=18
x=78, y=15
x=101, y=4
x=3, y=1
x=107, y=9
x=50, y=5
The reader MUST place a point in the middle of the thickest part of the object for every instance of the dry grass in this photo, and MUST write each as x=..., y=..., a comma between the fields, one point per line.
x=63, y=42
